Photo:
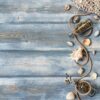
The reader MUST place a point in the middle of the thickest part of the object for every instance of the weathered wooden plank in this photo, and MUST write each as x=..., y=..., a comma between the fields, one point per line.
x=38, y=37
x=56, y=6
x=37, y=63
x=39, y=89
x=35, y=17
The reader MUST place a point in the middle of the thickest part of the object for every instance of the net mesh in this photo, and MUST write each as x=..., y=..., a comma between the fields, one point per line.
x=91, y=6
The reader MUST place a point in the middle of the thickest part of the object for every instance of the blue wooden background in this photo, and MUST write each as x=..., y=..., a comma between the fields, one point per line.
x=34, y=56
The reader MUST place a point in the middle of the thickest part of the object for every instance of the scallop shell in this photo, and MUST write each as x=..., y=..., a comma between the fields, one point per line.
x=90, y=6
x=70, y=96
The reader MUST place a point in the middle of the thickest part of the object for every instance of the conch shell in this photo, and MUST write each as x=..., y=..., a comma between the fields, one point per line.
x=90, y=6
x=77, y=54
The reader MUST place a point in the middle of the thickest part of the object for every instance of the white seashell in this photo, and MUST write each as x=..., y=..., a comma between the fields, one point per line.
x=70, y=96
x=94, y=76
x=96, y=17
x=80, y=71
x=70, y=43
x=77, y=54
x=67, y=7
x=97, y=33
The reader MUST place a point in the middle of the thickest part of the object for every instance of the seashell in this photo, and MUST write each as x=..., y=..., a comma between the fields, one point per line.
x=75, y=19
x=97, y=33
x=70, y=43
x=77, y=54
x=90, y=6
x=96, y=17
x=94, y=76
x=70, y=96
x=67, y=7
x=87, y=42
x=81, y=71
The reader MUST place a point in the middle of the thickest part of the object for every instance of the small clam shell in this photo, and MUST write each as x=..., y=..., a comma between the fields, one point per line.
x=75, y=19
x=70, y=96
x=94, y=76
x=70, y=43
x=97, y=33
x=87, y=42
x=67, y=7
x=81, y=71
x=96, y=17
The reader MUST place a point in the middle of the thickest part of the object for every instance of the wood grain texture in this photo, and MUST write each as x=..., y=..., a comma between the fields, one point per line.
x=31, y=5
x=34, y=56
x=38, y=37
x=40, y=63
x=39, y=89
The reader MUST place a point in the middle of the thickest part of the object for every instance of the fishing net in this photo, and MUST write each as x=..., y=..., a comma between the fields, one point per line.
x=90, y=6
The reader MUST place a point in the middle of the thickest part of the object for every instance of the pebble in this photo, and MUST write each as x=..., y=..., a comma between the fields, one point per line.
x=70, y=96
x=67, y=7
x=70, y=43
x=76, y=19
x=94, y=52
x=87, y=42
x=94, y=76
x=81, y=71
x=97, y=33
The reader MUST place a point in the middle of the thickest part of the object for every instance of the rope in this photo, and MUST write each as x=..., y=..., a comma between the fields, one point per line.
x=88, y=58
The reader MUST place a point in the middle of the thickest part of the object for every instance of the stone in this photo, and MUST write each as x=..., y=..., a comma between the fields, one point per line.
x=70, y=43
x=97, y=33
